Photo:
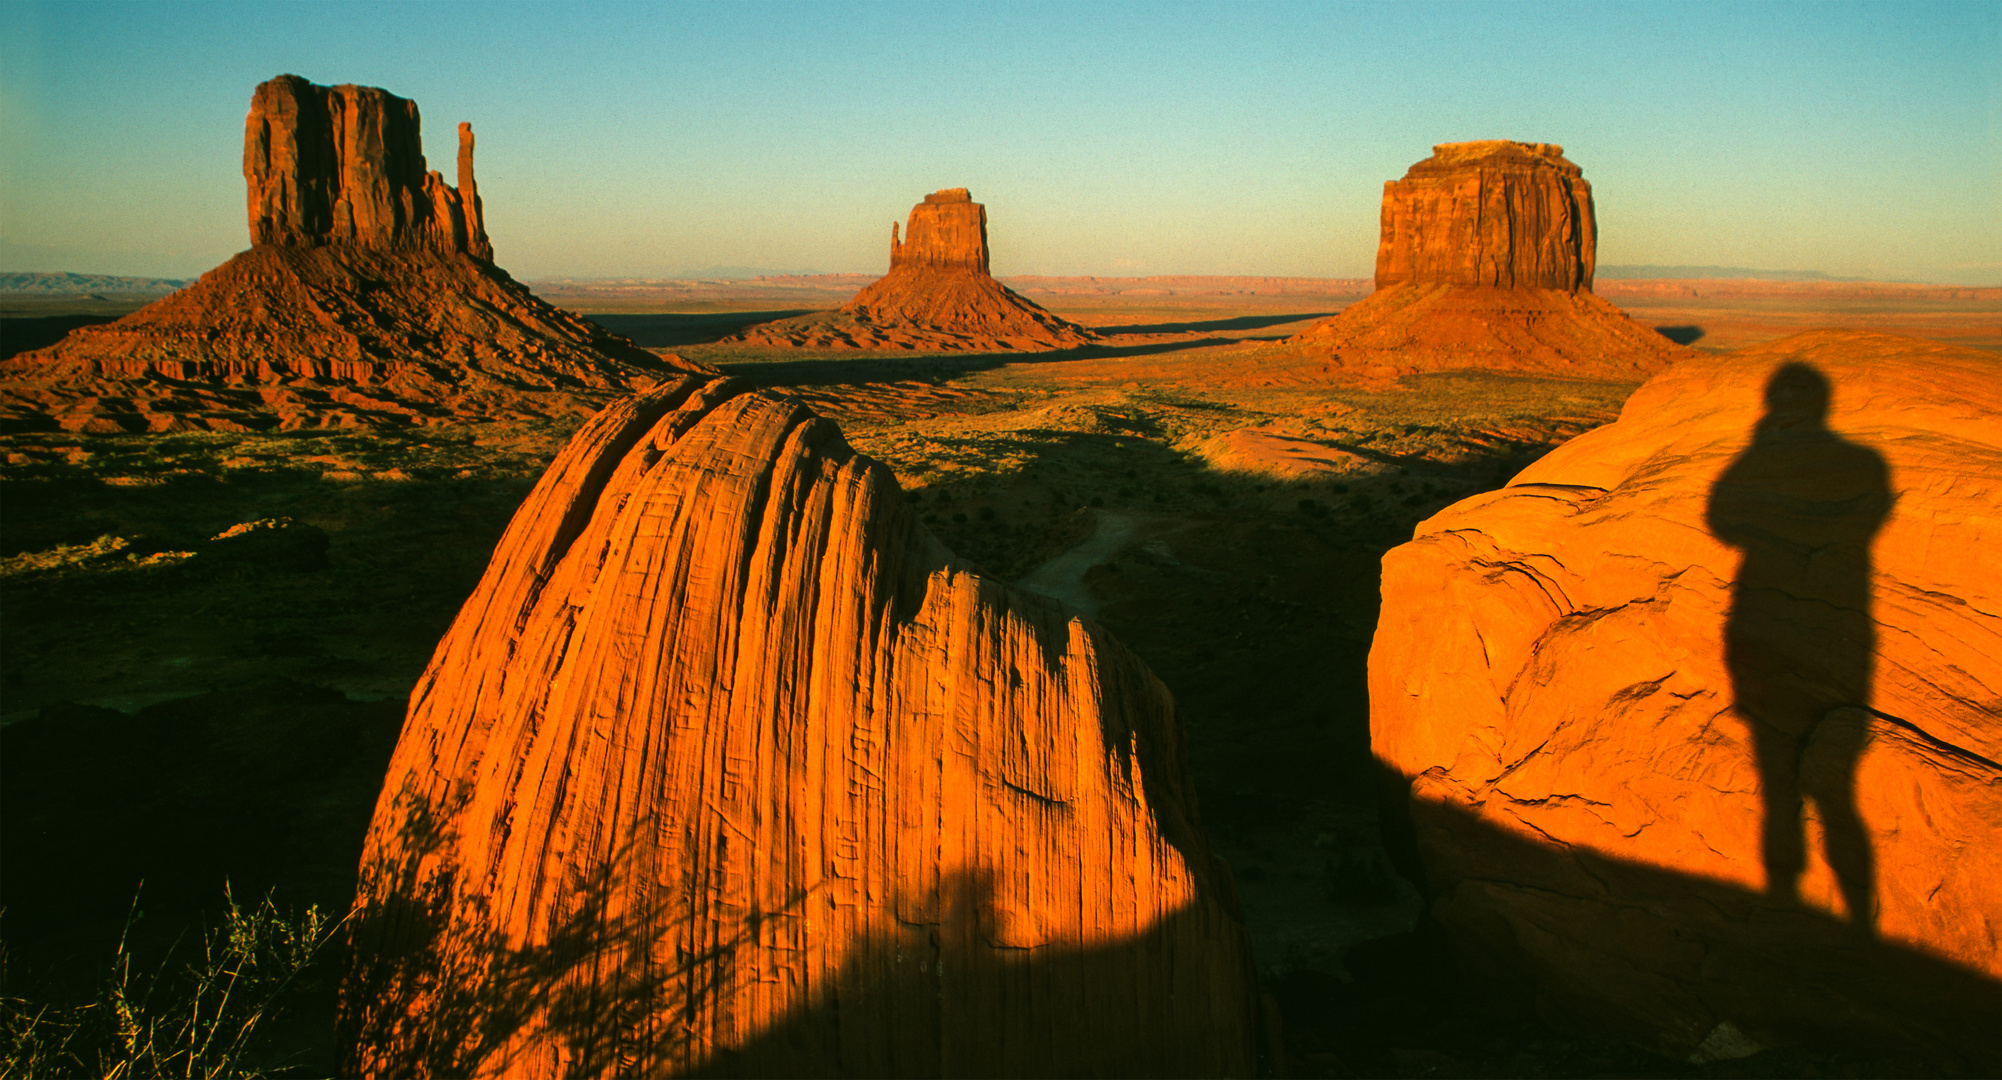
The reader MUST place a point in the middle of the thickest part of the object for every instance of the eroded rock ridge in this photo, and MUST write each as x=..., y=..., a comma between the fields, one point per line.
x=728, y=768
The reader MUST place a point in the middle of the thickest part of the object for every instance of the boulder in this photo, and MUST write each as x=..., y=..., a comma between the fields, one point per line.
x=1485, y=262
x=937, y=296
x=728, y=767
x=1697, y=719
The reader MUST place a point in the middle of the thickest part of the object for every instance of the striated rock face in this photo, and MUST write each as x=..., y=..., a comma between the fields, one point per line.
x=345, y=165
x=1699, y=715
x=947, y=231
x=1485, y=263
x=727, y=767
x=1500, y=213
x=938, y=295
x=369, y=297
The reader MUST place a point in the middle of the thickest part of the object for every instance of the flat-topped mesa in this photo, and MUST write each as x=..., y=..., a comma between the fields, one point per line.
x=345, y=165
x=1489, y=213
x=948, y=231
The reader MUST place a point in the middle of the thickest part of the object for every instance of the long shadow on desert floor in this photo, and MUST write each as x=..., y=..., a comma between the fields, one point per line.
x=1216, y=326
x=673, y=330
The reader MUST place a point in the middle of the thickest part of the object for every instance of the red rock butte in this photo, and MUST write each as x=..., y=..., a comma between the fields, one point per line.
x=345, y=165
x=1485, y=261
x=937, y=296
x=728, y=767
x=369, y=296
x=1496, y=213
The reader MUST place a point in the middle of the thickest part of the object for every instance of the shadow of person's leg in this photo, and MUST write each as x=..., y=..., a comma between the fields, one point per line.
x=1784, y=850
x=1828, y=776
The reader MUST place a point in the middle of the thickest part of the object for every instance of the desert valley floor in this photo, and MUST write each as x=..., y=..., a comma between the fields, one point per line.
x=231, y=707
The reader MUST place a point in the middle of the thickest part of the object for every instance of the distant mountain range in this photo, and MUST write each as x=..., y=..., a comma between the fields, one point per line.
x=67, y=284
x=1715, y=272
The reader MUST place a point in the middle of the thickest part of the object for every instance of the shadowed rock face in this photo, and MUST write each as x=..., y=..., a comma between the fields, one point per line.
x=1485, y=263
x=727, y=767
x=938, y=295
x=1500, y=213
x=1745, y=638
x=345, y=165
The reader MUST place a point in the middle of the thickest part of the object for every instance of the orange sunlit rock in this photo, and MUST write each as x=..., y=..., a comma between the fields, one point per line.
x=1485, y=262
x=938, y=295
x=1749, y=635
x=728, y=766
x=369, y=296
x=1510, y=215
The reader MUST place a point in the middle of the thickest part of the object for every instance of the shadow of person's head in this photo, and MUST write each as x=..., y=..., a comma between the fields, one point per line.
x=1796, y=396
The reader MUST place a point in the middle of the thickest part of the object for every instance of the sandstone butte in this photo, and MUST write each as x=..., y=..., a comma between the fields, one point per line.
x=1485, y=263
x=369, y=295
x=938, y=296
x=1611, y=684
x=728, y=767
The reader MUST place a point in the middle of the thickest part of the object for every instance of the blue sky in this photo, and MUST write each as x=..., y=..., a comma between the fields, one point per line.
x=1244, y=138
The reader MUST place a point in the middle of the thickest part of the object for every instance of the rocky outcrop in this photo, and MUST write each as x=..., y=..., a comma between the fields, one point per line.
x=1506, y=214
x=727, y=767
x=1485, y=263
x=369, y=297
x=345, y=165
x=937, y=296
x=1698, y=715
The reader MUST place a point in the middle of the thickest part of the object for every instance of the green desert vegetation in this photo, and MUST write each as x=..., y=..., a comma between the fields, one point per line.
x=205, y=1009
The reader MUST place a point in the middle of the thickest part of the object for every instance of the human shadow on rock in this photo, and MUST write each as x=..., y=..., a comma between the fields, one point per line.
x=1802, y=505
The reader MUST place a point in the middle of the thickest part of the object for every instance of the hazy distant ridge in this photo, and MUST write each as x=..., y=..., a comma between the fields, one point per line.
x=69, y=283
x=1715, y=272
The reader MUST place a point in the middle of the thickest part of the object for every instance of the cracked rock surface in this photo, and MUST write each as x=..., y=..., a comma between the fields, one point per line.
x=1698, y=716
x=728, y=766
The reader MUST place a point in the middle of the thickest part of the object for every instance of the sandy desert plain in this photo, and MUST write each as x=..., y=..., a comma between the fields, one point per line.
x=229, y=719
x=650, y=721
